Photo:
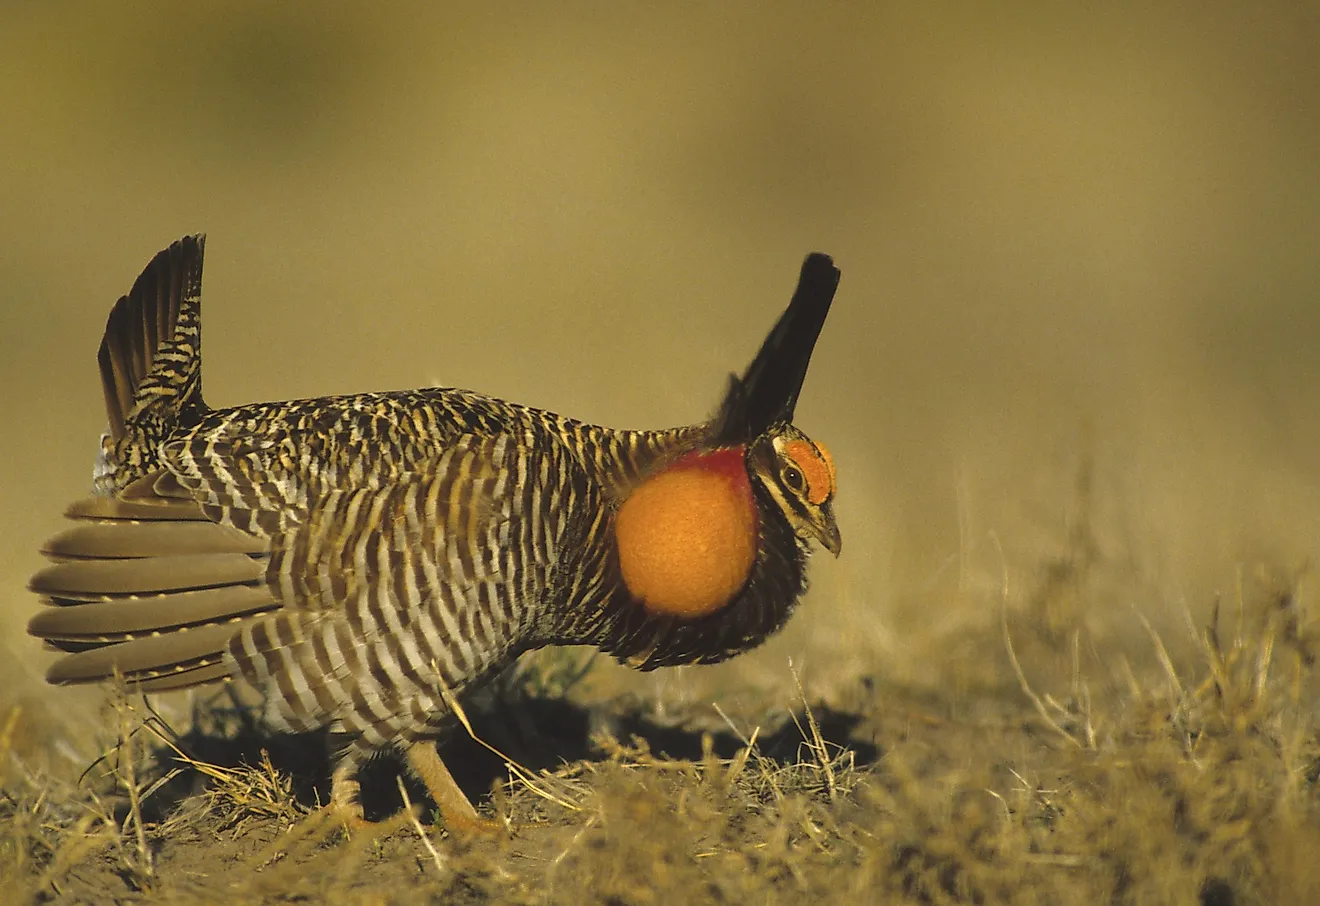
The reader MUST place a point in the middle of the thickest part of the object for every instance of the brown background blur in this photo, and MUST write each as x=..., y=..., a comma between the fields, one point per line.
x=1066, y=237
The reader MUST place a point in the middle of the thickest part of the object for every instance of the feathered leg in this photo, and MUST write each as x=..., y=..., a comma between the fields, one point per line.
x=457, y=812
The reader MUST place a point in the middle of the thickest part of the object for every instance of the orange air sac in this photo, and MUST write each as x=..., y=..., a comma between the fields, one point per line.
x=687, y=536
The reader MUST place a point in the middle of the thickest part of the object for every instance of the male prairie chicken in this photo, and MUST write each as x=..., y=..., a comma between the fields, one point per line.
x=359, y=559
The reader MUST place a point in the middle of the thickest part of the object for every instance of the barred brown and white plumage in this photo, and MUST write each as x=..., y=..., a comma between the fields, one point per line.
x=359, y=559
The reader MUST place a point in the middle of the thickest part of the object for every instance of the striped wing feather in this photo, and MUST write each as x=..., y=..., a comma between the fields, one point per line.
x=391, y=592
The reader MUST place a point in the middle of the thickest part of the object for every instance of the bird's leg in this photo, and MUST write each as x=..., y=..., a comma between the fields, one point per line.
x=455, y=809
x=344, y=789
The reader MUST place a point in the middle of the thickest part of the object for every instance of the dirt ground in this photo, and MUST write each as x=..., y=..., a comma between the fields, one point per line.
x=1067, y=654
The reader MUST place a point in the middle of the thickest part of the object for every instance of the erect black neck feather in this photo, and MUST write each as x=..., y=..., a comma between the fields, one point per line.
x=767, y=392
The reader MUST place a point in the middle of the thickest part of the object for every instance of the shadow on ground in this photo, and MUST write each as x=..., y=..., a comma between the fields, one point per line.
x=537, y=733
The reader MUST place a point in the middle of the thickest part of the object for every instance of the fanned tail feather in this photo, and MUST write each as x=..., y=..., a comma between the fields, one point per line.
x=155, y=601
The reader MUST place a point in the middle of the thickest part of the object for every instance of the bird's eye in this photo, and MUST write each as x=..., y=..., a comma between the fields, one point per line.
x=793, y=478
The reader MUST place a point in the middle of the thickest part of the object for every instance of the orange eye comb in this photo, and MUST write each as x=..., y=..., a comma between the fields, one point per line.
x=817, y=467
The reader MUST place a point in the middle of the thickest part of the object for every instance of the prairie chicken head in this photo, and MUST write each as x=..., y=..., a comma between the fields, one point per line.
x=359, y=560
x=798, y=473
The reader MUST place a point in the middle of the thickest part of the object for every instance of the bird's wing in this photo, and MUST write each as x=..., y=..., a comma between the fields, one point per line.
x=394, y=591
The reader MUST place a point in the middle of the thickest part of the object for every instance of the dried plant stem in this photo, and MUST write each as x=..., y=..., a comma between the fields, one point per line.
x=1030, y=693
x=522, y=773
x=129, y=776
x=417, y=826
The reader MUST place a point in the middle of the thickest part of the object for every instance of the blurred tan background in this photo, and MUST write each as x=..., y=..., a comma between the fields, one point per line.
x=1076, y=246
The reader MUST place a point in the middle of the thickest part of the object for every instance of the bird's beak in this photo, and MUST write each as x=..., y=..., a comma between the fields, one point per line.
x=826, y=530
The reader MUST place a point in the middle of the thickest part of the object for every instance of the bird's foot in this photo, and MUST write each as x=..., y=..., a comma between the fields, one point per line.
x=475, y=827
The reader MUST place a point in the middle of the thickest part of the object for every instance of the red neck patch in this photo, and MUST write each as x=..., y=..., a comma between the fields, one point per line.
x=727, y=462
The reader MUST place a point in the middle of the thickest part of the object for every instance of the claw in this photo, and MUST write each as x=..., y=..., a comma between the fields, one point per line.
x=476, y=828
